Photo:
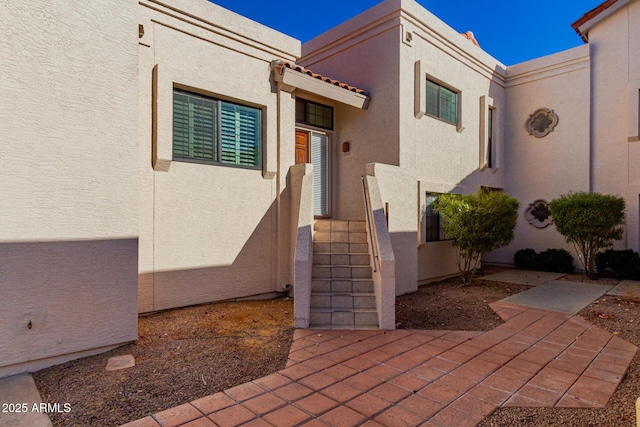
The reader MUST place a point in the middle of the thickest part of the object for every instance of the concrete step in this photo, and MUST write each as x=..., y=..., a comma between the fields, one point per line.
x=340, y=248
x=340, y=236
x=336, y=318
x=342, y=285
x=341, y=259
x=332, y=225
x=341, y=272
x=343, y=300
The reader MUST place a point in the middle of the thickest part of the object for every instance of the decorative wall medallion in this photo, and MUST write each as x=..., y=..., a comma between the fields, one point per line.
x=538, y=214
x=542, y=122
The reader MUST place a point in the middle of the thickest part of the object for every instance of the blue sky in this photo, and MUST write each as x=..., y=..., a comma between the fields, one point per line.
x=512, y=31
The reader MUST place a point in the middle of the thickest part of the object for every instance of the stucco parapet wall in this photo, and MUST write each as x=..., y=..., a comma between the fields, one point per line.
x=409, y=17
x=215, y=24
x=567, y=61
x=597, y=15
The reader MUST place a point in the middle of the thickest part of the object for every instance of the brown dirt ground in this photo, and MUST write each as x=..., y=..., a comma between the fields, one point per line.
x=188, y=353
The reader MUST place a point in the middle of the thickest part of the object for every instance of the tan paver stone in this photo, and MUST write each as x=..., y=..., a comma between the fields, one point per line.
x=177, y=415
x=503, y=383
x=455, y=356
x=314, y=423
x=525, y=365
x=569, y=401
x=551, y=383
x=421, y=405
x=340, y=355
x=396, y=416
x=567, y=366
x=494, y=357
x=619, y=343
x=300, y=355
x=264, y=403
x=509, y=348
x=377, y=355
x=516, y=374
x=476, y=370
x=603, y=375
x=368, y=404
x=213, y=403
x=538, y=354
x=232, y=416
x=343, y=416
x=287, y=416
x=316, y=404
x=557, y=374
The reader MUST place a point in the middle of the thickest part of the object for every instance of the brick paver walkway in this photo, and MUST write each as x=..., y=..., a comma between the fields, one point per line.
x=536, y=358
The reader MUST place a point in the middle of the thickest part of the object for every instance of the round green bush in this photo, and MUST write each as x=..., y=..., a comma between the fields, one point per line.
x=526, y=259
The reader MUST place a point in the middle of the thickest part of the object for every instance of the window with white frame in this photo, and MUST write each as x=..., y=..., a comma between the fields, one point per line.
x=434, y=223
x=442, y=102
x=209, y=130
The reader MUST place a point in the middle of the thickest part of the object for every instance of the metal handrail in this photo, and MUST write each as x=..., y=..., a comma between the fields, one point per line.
x=371, y=227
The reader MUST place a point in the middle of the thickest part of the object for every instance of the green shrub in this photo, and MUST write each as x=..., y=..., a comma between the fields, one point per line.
x=555, y=260
x=590, y=221
x=526, y=259
x=477, y=224
x=619, y=264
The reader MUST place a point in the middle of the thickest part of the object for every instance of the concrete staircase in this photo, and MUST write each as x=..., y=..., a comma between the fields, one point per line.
x=341, y=288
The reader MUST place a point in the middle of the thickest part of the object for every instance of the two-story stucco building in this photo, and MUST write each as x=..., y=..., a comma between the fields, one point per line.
x=159, y=154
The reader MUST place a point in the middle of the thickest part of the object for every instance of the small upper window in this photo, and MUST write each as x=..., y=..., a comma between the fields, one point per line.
x=314, y=114
x=214, y=131
x=442, y=102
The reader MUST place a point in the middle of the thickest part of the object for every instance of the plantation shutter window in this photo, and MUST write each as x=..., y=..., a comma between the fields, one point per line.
x=208, y=130
x=442, y=102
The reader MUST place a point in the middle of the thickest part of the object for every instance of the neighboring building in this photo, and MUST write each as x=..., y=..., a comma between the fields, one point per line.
x=168, y=168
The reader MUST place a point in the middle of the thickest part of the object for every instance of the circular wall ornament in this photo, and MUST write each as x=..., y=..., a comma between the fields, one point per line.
x=538, y=214
x=542, y=122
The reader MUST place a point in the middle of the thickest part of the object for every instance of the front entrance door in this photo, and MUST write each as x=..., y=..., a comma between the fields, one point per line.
x=313, y=147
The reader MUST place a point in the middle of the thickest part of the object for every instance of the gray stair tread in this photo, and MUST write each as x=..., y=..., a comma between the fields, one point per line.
x=353, y=294
x=342, y=310
x=346, y=327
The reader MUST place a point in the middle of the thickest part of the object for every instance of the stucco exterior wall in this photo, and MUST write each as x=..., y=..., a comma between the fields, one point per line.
x=556, y=164
x=614, y=43
x=68, y=223
x=367, y=58
x=211, y=232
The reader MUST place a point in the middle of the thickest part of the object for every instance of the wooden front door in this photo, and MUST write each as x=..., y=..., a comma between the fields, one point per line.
x=302, y=147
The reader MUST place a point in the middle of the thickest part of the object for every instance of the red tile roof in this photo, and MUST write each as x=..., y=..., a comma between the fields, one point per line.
x=590, y=15
x=469, y=36
x=280, y=65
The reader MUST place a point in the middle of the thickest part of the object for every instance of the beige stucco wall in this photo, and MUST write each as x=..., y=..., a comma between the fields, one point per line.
x=381, y=59
x=556, y=164
x=614, y=45
x=212, y=232
x=68, y=223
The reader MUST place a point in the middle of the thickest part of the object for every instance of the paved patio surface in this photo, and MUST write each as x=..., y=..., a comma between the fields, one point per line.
x=523, y=277
x=560, y=295
x=537, y=358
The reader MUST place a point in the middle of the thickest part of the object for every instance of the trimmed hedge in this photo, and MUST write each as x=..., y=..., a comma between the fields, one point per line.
x=553, y=260
x=620, y=265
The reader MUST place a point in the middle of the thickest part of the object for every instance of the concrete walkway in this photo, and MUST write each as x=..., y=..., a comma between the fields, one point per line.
x=537, y=358
x=21, y=390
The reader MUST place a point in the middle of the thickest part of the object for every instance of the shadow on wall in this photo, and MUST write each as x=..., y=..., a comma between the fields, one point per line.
x=254, y=270
x=63, y=297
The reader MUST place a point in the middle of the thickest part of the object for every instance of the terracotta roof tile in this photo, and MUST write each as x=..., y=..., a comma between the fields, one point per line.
x=469, y=36
x=280, y=65
x=590, y=15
